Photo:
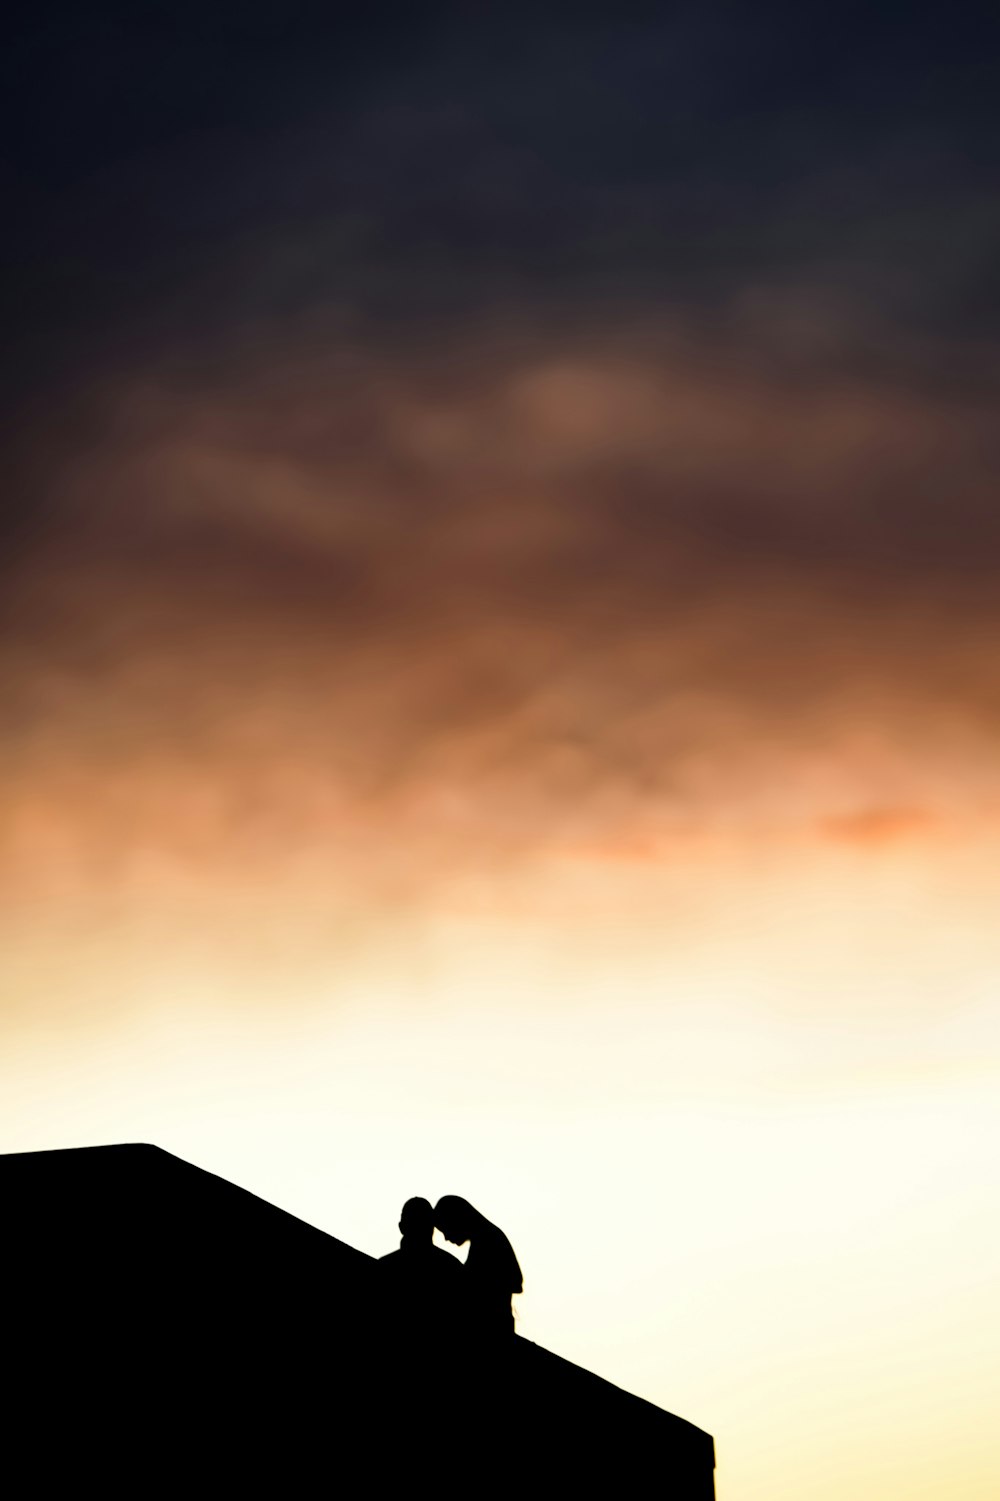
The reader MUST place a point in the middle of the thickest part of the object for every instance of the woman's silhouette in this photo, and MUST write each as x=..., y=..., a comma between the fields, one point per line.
x=491, y=1269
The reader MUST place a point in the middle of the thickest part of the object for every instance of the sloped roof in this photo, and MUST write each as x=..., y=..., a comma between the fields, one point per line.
x=156, y=1309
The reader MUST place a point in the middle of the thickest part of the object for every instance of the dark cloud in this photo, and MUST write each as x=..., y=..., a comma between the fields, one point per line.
x=484, y=436
x=186, y=174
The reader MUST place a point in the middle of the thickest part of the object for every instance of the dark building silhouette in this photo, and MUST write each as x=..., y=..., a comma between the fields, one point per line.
x=164, y=1327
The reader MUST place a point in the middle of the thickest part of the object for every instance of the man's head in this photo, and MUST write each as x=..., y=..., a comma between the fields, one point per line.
x=455, y=1218
x=417, y=1219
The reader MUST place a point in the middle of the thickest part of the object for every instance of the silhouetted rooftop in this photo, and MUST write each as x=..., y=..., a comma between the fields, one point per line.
x=166, y=1319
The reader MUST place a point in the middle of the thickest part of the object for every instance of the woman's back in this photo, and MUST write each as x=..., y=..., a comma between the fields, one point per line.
x=492, y=1271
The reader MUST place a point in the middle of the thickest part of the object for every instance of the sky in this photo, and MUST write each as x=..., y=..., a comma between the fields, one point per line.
x=498, y=632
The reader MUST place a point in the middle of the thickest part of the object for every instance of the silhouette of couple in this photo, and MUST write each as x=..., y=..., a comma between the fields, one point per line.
x=472, y=1301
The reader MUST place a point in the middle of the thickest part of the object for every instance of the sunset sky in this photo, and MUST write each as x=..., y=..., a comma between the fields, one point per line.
x=500, y=649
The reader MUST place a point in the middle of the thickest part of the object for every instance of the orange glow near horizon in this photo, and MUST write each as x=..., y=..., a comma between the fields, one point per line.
x=393, y=804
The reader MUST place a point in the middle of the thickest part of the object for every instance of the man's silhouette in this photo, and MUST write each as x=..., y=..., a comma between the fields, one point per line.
x=423, y=1284
x=492, y=1273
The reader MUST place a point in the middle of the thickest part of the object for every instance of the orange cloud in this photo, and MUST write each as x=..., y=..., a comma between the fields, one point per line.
x=878, y=826
x=362, y=630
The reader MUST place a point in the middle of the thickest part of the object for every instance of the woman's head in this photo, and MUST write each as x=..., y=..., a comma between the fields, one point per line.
x=455, y=1218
